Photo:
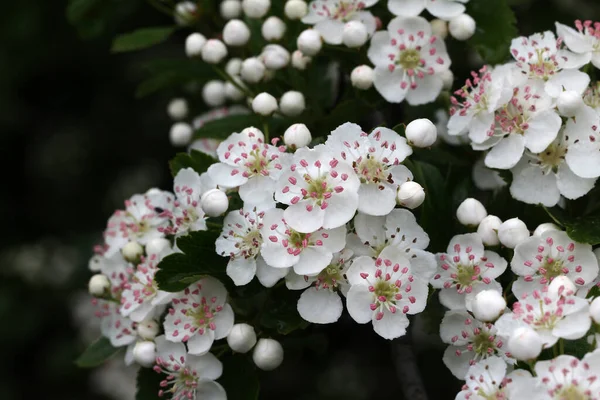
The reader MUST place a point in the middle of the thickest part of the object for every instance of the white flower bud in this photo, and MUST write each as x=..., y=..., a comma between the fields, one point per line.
x=268, y=354
x=512, y=232
x=132, y=251
x=236, y=33
x=213, y=93
x=595, y=310
x=292, y=103
x=295, y=9
x=177, y=109
x=354, y=34
x=421, y=133
x=309, y=42
x=185, y=12
x=253, y=133
x=230, y=9
x=180, y=134
x=232, y=92
x=439, y=28
x=488, y=230
x=157, y=246
x=546, y=227
x=144, y=353
x=569, y=103
x=524, y=344
x=98, y=285
x=562, y=286
x=447, y=79
x=214, y=202
x=410, y=195
x=275, y=56
x=462, y=27
x=148, y=329
x=241, y=338
x=256, y=8
x=233, y=66
x=362, y=77
x=488, y=305
x=299, y=60
x=194, y=44
x=214, y=51
x=95, y=263
x=253, y=70
x=273, y=29
x=264, y=104
x=471, y=212
x=297, y=136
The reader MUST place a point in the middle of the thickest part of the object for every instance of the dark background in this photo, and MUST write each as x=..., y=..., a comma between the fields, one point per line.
x=74, y=143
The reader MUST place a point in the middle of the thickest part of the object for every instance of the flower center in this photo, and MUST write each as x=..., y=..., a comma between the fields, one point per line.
x=497, y=395
x=544, y=67
x=409, y=59
x=370, y=169
x=591, y=96
x=297, y=239
x=553, y=156
x=249, y=245
x=552, y=268
x=464, y=275
x=203, y=314
x=570, y=393
x=484, y=343
x=256, y=163
x=330, y=277
x=385, y=290
x=317, y=189
x=346, y=10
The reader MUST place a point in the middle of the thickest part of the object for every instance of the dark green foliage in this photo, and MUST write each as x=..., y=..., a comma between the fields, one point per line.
x=196, y=160
x=496, y=27
x=96, y=353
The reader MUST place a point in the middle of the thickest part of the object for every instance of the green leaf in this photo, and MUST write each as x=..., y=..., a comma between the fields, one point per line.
x=584, y=229
x=166, y=73
x=240, y=378
x=96, y=353
x=141, y=39
x=223, y=127
x=281, y=311
x=341, y=113
x=496, y=27
x=196, y=160
x=148, y=384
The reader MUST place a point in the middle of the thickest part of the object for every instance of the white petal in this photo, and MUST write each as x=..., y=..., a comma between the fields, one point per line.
x=258, y=190
x=334, y=240
x=201, y=344
x=360, y=265
x=458, y=124
x=165, y=349
x=568, y=79
x=223, y=175
x=380, y=48
x=293, y=281
x=241, y=270
x=210, y=390
x=277, y=256
x=584, y=159
x=223, y=321
x=573, y=326
x=312, y=261
x=267, y=275
x=392, y=325
x=331, y=30
x=342, y=208
x=451, y=299
x=427, y=90
x=358, y=301
x=301, y=219
x=452, y=325
x=207, y=366
x=457, y=363
x=407, y=8
x=445, y=9
x=531, y=185
x=373, y=200
x=320, y=306
x=572, y=186
x=480, y=126
x=574, y=40
x=543, y=129
x=507, y=153
x=370, y=229
x=388, y=83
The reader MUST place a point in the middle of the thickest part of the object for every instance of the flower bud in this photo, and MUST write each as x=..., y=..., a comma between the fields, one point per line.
x=241, y=338
x=546, y=227
x=471, y=212
x=447, y=79
x=213, y=93
x=275, y=56
x=268, y=354
x=214, y=202
x=180, y=134
x=488, y=230
x=439, y=28
x=233, y=66
x=299, y=60
x=253, y=70
x=232, y=92
x=185, y=13
x=264, y=104
x=177, y=109
x=595, y=310
x=295, y=9
x=132, y=251
x=256, y=8
x=524, y=344
x=98, y=285
x=157, y=246
x=292, y=103
x=214, y=51
x=354, y=34
x=230, y=9
x=569, y=103
x=148, y=329
x=273, y=29
x=512, y=232
x=236, y=33
x=410, y=195
x=362, y=77
x=462, y=27
x=488, y=305
x=144, y=353
x=194, y=44
x=309, y=42
x=95, y=263
x=421, y=133
x=297, y=136
x=562, y=286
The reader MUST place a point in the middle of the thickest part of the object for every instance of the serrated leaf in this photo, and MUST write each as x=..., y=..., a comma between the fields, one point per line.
x=96, y=353
x=584, y=229
x=141, y=39
x=223, y=127
x=196, y=160
x=496, y=27
x=148, y=384
x=240, y=378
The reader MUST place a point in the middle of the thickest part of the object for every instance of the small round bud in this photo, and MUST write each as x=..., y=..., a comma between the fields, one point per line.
x=562, y=286
x=471, y=212
x=132, y=251
x=488, y=230
x=98, y=285
x=185, y=13
x=512, y=232
x=214, y=202
x=253, y=70
x=525, y=344
x=569, y=103
x=213, y=93
x=233, y=66
x=144, y=353
x=230, y=9
x=295, y=9
x=410, y=195
x=273, y=29
x=253, y=133
x=355, y=34
x=256, y=8
x=447, y=79
x=488, y=305
x=194, y=44
x=439, y=28
x=268, y=354
x=421, y=133
x=157, y=246
x=241, y=338
x=148, y=329
x=275, y=57
x=309, y=42
x=462, y=27
x=180, y=134
x=595, y=310
x=177, y=109
x=214, y=51
x=236, y=33
x=292, y=103
x=232, y=92
x=546, y=227
x=95, y=263
x=297, y=136
x=299, y=60
x=264, y=104
x=362, y=77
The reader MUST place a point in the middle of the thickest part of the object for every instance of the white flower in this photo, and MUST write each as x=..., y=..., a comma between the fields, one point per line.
x=362, y=77
x=375, y=158
x=585, y=40
x=462, y=27
x=273, y=29
x=444, y=9
x=188, y=376
x=487, y=379
x=199, y=316
x=308, y=253
x=268, y=354
x=583, y=131
x=330, y=16
x=118, y=329
x=408, y=61
x=465, y=270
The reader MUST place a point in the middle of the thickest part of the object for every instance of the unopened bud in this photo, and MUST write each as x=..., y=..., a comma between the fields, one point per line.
x=230, y=9
x=488, y=305
x=273, y=29
x=471, y=212
x=410, y=195
x=297, y=136
x=180, y=134
x=362, y=77
x=177, y=109
x=241, y=338
x=236, y=33
x=132, y=251
x=253, y=70
x=264, y=104
x=256, y=8
x=214, y=202
x=488, y=230
x=268, y=354
x=194, y=44
x=275, y=56
x=233, y=66
x=595, y=310
x=439, y=28
x=355, y=34
x=214, y=51
x=421, y=133
x=309, y=42
x=98, y=285
x=292, y=103
x=157, y=246
x=545, y=227
x=299, y=60
x=148, y=329
x=144, y=353
x=295, y=9
x=185, y=13
x=512, y=232
x=524, y=344
x=462, y=27
x=213, y=93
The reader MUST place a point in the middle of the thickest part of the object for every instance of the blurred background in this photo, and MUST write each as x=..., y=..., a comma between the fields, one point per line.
x=75, y=142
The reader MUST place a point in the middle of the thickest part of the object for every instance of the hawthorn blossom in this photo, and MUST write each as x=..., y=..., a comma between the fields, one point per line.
x=444, y=9
x=384, y=291
x=321, y=191
x=584, y=154
x=188, y=376
x=408, y=61
x=118, y=271
x=119, y=329
x=307, y=253
x=376, y=159
x=591, y=97
x=199, y=316
x=330, y=16
x=585, y=40
x=465, y=270
x=487, y=379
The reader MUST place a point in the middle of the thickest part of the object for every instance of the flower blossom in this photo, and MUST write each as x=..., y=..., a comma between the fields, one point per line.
x=443, y=9
x=585, y=40
x=487, y=379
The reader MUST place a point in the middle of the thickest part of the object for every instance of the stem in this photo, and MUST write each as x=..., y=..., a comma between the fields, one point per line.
x=230, y=79
x=561, y=346
x=266, y=130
